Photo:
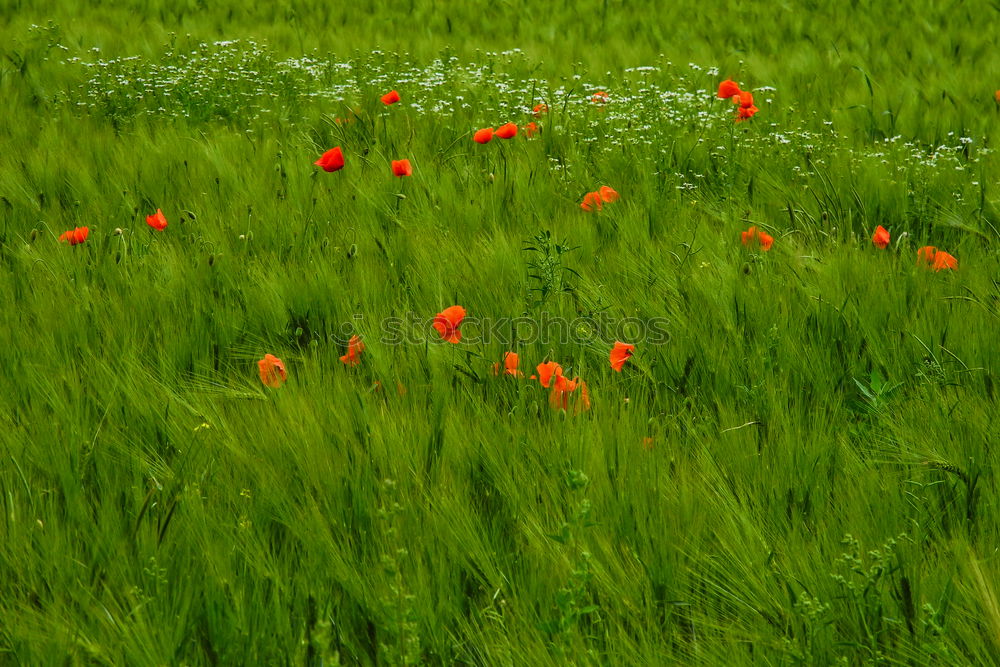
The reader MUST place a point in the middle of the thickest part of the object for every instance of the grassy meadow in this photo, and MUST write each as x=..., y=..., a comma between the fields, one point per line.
x=794, y=468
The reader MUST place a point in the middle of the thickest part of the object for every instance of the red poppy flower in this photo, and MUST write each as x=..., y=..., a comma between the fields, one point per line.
x=157, y=221
x=390, y=98
x=943, y=260
x=562, y=387
x=592, y=200
x=446, y=322
x=401, y=168
x=546, y=371
x=354, y=349
x=763, y=238
x=272, y=371
x=540, y=109
x=747, y=108
x=745, y=113
x=332, y=160
x=620, y=353
x=507, y=131
x=600, y=98
x=925, y=256
x=563, y=390
x=608, y=194
x=510, y=361
x=881, y=237
x=483, y=136
x=930, y=257
x=996, y=96
x=531, y=129
x=75, y=236
x=583, y=402
x=728, y=90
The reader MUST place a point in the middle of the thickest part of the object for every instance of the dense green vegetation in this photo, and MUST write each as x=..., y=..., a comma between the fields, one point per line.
x=799, y=472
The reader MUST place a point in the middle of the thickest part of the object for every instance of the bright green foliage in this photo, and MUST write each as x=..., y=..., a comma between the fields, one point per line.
x=800, y=470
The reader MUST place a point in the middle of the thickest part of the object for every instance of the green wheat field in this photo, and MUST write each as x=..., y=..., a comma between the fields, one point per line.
x=794, y=467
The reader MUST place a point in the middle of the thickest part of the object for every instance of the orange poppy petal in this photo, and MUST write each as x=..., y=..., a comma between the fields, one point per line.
x=583, y=403
x=446, y=323
x=746, y=112
x=881, y=237
x=332, y=160
x=506, y=131
x=592, y=201
x=546, y=371
x=454, y=314
x=620, y=353
x=354, y=349
x=157, y=221
x=925, y=255
x=272, y=371
x=728, y=89
x=401, y=168
x=943, y=260
x=563, y=389
x=510, y=362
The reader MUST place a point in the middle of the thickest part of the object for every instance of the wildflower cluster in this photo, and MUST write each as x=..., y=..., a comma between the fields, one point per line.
x=567, y=393
x=730, y=90
x=240, y=80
